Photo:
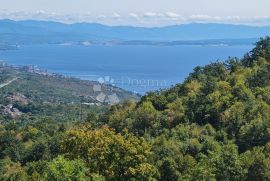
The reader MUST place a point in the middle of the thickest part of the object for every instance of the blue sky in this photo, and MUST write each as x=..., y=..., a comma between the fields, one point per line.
x=140, y=12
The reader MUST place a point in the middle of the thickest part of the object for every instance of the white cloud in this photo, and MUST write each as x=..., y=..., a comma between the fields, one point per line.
x=133, y=15
x=172, y=15
x=219, y=19
x=149, y=14
x=135, y=19
x=152, y=15
x=101, y=17
x=116, y=16
x=201, y=17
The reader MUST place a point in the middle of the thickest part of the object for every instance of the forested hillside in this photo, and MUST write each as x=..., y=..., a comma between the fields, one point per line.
x=27, y=92
x=213, y=126
x=42, y=86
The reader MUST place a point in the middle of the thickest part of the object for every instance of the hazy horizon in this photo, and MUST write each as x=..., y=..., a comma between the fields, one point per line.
x=149, y=13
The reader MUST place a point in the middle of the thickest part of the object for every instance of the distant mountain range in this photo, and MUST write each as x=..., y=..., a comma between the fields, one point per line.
x=31, y=31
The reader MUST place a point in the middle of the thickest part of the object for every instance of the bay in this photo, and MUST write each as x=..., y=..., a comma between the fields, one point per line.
x=135, y=68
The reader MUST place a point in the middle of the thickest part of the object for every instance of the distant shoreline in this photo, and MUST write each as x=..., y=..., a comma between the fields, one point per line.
x=89, y=43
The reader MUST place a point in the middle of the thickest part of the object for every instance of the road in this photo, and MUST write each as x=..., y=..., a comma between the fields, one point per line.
x=7, y=83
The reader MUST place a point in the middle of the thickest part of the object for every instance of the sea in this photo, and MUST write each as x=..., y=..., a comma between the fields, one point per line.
x=137, y=68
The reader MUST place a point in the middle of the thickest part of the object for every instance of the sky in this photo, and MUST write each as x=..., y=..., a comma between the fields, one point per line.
x=140, y=12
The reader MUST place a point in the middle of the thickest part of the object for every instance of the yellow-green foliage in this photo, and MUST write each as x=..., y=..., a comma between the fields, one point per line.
x=115, y=156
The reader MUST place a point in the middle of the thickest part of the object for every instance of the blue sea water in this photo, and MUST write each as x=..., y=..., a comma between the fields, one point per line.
x=135, y=68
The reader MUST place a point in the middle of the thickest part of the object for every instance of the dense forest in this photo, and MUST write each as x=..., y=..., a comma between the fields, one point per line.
x=213, y=126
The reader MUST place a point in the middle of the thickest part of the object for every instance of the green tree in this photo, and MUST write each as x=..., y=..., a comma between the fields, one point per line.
x=115, y=156
x=61, y=169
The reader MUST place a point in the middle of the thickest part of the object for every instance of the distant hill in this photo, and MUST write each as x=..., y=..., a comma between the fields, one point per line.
x=53, y=32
